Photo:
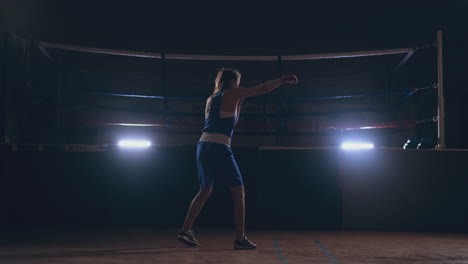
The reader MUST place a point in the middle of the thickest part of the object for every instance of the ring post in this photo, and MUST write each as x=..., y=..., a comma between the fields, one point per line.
x=440, y=97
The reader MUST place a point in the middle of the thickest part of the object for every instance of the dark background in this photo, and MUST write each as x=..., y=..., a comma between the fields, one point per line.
x=321, y=189
x=233, y=27
x=306, y=189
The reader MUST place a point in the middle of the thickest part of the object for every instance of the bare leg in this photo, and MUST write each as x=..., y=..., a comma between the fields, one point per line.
x=238, y=198
x=195, y=208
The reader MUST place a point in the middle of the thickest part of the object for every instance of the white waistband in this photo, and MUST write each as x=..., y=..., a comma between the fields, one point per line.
x=216, y=138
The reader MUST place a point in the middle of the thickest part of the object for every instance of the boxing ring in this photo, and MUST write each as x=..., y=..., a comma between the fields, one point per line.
x=261, y=123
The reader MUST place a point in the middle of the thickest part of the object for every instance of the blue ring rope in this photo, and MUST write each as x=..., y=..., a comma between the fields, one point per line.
x=407, y=92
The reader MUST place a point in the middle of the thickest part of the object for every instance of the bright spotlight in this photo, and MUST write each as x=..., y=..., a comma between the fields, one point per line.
x=356, y=146
x=134, y=143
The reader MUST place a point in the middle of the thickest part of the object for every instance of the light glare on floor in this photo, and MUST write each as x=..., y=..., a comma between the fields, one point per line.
x=134, y=143
x=356, y=146
x=135, y=125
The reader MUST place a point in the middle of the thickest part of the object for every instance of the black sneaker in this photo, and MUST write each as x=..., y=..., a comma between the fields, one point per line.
x=244, y=243
x=188, y=238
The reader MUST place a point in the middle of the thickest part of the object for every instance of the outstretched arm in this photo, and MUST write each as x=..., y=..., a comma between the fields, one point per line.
x=263, y=88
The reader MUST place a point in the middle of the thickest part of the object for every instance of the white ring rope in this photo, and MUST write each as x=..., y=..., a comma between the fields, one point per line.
x=223, y=57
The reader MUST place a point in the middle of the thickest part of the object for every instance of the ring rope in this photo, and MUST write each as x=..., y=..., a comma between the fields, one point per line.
x=408, y=92
x=140, y=54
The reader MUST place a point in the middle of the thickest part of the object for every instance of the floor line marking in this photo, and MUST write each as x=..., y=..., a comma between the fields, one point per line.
x=325, y=250
x=278, y=250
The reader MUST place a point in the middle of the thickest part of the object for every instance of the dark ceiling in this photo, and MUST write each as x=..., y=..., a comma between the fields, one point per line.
x=234, y=27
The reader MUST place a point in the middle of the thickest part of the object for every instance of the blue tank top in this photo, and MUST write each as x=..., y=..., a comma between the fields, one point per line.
x=214, y=123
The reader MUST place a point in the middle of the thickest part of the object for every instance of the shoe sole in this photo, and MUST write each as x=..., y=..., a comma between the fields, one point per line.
x=187, y=242
x=251, y=248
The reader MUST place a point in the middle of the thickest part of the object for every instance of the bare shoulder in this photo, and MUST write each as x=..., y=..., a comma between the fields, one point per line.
x=237, y=93
x=234, y=95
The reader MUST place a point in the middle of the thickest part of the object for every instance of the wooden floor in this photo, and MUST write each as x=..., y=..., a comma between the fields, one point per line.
x=160, y=246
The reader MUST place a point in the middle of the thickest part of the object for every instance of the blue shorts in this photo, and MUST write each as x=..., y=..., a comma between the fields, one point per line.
x=216, y=165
